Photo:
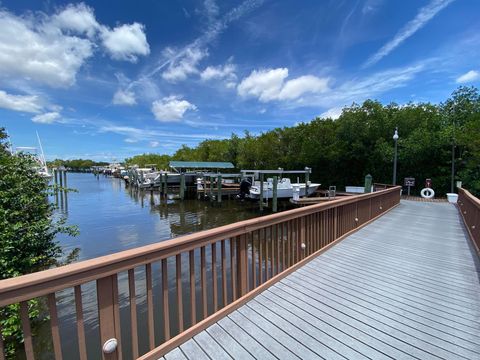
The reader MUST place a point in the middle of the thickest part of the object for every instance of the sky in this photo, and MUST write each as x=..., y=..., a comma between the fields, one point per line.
x=107, y=80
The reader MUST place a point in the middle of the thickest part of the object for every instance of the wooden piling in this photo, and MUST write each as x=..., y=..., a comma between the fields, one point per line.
x=274, y=194
x=165, y=189
x=307, y=180
x=219, y=188
x=211, y=188
x=261, y=192
x=182, y=186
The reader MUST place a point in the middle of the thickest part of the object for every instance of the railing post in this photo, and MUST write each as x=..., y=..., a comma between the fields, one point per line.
x=108, y=316
x=242, y=265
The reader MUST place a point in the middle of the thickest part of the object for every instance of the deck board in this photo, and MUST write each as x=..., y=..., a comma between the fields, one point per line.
x=405, y=286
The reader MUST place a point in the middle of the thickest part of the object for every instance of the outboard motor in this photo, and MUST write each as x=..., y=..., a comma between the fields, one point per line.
x=245, y=186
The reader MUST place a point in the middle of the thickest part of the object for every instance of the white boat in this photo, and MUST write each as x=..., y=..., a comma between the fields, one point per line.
x=285, y=189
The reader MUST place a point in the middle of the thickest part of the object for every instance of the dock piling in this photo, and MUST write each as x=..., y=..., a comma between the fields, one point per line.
x=274, y=194
x=307, y=180
x=219, y=188
x=182, y=186
x=261, y=191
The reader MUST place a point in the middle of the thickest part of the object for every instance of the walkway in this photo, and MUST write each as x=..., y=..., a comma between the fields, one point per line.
x=404, y=287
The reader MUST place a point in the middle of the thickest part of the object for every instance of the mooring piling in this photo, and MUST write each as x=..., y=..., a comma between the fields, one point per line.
x=261, y=191
x=274, y=194
x=219, y=188
x=182, y=186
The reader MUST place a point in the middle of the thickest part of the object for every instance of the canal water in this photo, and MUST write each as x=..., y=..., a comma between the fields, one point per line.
x=112, y=217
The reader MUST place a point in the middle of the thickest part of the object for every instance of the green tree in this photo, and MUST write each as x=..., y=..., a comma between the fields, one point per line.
x=27, y=230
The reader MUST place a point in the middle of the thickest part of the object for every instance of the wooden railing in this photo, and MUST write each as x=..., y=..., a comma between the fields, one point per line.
x=469, y=207
x=186, y=283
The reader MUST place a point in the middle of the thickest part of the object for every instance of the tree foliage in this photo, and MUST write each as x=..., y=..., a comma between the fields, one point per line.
x=76, y=164
x=28, y=228
x=160, y=161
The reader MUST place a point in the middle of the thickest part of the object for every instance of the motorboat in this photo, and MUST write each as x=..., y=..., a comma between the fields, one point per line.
x=285, y=189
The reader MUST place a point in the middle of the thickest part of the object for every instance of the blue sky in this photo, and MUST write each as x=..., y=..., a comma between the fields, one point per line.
x=105, y=81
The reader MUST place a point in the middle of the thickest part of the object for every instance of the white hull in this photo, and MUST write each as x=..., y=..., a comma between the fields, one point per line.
x=284, y=190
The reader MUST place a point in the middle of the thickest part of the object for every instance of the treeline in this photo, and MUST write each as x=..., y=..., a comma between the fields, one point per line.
x=341, y=152
x=76, y=164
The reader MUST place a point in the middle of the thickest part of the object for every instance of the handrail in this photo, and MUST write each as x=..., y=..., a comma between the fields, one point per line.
x=250, y=253
x=93, y=269
x=469, y=208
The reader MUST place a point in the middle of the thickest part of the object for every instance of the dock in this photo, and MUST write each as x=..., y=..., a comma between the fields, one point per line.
x=383, y=292
x=361, y=277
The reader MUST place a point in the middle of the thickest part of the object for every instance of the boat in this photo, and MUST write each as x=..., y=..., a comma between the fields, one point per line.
x=285, y=189
x=41, y=168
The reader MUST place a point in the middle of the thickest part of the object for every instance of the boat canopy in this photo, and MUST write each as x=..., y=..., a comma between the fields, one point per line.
x=200, y=165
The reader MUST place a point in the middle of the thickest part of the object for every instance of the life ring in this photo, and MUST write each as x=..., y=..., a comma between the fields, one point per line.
x=427, y=193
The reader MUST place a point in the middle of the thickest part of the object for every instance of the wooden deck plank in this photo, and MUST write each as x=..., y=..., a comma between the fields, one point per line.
x=321, y=341
x=431, y=335
x=327, y=319
x=281, y=334
x=228, y=343
x=274, y=346
x=175, y=354
x=392, y=273
x=405, y=286
x=210, y=346
x=192, y=351
x=420, y=317
x=248, y=342
x=444, y=305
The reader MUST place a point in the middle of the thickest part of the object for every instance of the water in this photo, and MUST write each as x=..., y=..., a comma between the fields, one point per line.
x=112, y=218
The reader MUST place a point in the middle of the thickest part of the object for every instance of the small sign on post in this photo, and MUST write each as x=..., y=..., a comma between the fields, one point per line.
x=409, y=182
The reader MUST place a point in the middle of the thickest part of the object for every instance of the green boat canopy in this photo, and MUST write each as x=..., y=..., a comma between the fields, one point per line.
x=200, y=165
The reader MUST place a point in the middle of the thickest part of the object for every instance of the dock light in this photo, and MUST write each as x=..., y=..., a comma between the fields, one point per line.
x=395, y=139
x=303, y=246
x=110, y=346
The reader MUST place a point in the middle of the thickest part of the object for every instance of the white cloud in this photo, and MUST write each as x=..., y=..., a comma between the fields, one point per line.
x=360, y=89
x=295, y=88
x=171, y=108
x=50, y=50
x=78, y=18
x=264, y=84
x=24, y=103
x=34, y=51
x=170, y=58
x=126, y=42
x=470, y=76
x=47, y=118
x=130, y=140
x=124, y=97
x=424, y=15
x=138, y=134
x=333, y=113
x=225, y=72
x=181, y=67
x=211, y=9
x=154, y=144
x=270, y=84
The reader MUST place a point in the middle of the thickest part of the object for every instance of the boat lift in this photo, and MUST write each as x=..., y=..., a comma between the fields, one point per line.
x=259, y=174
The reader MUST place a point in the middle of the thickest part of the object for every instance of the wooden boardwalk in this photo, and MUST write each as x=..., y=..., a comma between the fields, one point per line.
x=404, y=287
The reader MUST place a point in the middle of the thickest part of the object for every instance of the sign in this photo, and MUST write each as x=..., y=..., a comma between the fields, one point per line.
x=410, y=181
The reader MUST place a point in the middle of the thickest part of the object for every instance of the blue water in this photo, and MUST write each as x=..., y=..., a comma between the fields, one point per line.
x=112, y=217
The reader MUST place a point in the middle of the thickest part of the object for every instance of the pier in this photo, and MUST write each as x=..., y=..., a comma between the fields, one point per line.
x=365, y=276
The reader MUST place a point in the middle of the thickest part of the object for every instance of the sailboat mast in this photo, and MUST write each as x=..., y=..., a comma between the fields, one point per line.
x=44, y=161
